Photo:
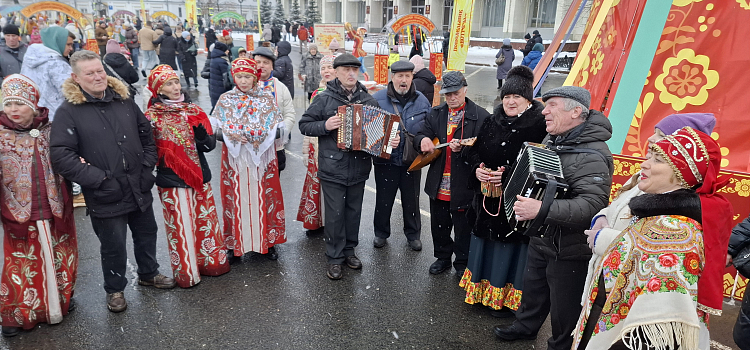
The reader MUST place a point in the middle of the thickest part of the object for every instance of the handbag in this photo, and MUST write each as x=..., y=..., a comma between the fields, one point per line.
x=227, y=79
x=741, y=262
x=490, y=190
x=500, y=59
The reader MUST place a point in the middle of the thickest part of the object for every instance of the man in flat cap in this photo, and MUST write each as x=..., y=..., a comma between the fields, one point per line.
x=557, y=262
x=11, y=54
x=447, y=182
x=342, y=173
x=266, y=61
x=391, y=175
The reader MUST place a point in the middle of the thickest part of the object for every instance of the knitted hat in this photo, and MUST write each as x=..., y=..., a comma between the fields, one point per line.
x=185, y=34
x=327, y=60
x=245, y=65
x=113, y=46
x=506, y=42
x=691, y=154
x=334, y=45
x=703, y=122
x=19, y=88
x=520, y=81
x=160, y=75
x=11, y=29
x=572, y=92
x=538, y=47
x=225, y=32
x=527, y=36
x=418, y=63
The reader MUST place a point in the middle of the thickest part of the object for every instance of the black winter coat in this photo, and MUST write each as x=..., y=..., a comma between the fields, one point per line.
x=210, y=38
x=219, y=66
x=335, y=165
x=167, y=48
x=498, y=143
x=283, y=68
x=435, y=125
x=123, y=68
x=275, y=35
x=115, y=139
x=425, y=81
x=589, y=177
x=740, y=237
x=189, y=64
x=529, y=46
x=166, y=177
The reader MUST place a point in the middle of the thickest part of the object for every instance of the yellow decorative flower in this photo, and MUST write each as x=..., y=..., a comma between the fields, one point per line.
x=613, y=191
x=745, y=4
x=743, y=188
x=597, y=44
x=611, y=33
x=597, y=64
x=686, y=79
x=584, y=75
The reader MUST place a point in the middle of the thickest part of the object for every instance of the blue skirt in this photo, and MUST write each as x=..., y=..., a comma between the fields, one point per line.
x=494, y=273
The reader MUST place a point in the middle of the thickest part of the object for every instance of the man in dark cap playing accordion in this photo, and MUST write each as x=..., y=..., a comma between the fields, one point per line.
x=342, y=173
x=447, y=183
x=557, y=262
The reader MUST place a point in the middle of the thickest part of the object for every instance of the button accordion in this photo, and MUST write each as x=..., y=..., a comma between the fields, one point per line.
x=537, y=174
x=366, y=128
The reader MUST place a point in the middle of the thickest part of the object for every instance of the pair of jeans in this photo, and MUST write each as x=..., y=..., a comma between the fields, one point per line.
x=150, y=60
x=112, y=234
x=134, y=54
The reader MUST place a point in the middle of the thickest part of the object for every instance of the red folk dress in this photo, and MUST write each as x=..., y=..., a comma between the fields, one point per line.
x=39, y=242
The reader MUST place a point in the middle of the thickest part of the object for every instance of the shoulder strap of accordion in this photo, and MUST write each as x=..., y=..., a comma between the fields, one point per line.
x=569, y=149
x=549, y=196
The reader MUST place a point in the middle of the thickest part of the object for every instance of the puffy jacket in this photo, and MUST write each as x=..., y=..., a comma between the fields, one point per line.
x=167, y=48
x=49, y=70
x=740, y=237
x=167, y=178
x=335, y=165
x=10, y=63
x=510, y=55
x=219, y=66
x=115, y=139
x=283, y=67
x=436, y=126
x=302, y=33
x=588, y=175
x=425, y=81
x=413, y=115
x=499, y=140
x=131, y=38
x=146, y=37
x=189, y=63
x=532, y=59
x=123, y=68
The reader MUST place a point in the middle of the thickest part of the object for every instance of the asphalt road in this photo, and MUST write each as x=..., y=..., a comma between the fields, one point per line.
x=393, y=302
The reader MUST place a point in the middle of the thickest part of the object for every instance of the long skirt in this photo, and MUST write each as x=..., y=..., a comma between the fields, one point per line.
x=39, y=276
x=310, y=211
x=196, y=245
x=494, y=273
x=253, y=205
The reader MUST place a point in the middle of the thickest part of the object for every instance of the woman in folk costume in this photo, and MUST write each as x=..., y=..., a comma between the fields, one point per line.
x=249, y=123
x=40, y=249
x=183, y=135
x=310, y=210
x=645, y=292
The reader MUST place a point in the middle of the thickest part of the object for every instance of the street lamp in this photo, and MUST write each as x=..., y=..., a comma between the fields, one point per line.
x=241, y=1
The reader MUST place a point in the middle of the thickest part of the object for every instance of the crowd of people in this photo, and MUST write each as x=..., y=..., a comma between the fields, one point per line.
x=644, y=271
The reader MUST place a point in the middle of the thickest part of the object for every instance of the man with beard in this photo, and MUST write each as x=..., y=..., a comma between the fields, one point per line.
x=391, y=175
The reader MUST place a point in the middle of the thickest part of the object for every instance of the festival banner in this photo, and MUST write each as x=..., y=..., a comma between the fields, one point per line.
x=143, y=10
x=91, y=45
x=463, y=11
x=325, y=33
x=191, y=12
x=381, y=69
x=436, y=64
x=249, y=43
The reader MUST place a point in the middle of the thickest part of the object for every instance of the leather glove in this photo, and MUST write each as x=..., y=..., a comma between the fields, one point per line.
x=200, y=132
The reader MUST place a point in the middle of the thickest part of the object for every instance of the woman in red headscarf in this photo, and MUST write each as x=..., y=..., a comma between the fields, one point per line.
x=249, y=123
x=646, y=293
x=39, y=240
x=183, y=135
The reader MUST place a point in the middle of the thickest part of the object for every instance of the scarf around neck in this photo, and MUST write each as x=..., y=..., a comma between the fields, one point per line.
x=175, y=140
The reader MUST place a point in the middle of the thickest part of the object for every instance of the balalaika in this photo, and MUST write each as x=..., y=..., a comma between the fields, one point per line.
x=537, y=174
x=367, y=128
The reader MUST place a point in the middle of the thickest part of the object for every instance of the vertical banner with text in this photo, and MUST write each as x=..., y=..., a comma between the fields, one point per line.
x=143, y=11
x=381, y=69
x=192, y=12
x=463, y=11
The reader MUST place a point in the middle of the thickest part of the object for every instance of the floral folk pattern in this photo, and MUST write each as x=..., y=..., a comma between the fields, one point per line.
x=488, y=295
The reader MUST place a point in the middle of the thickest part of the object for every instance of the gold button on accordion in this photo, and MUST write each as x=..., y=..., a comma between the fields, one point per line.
x=537, y=174
x=366, y=128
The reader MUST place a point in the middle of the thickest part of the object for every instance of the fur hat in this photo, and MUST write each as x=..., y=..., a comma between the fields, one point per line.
x=520, y=81
x=19, y=88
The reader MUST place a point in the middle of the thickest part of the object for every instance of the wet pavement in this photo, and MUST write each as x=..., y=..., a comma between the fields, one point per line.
x=393, y=302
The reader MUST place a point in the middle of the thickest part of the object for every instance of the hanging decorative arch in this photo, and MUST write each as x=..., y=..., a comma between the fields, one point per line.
x=229, y=14
x=165, y=13
x=28, y=11
x=398, y=23
x=123, y=13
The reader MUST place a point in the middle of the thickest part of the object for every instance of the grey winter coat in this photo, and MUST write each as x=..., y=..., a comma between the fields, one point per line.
x=510, y=55
x=10, y=63
x=310, y=68
x=589, y=177
x=131, y=39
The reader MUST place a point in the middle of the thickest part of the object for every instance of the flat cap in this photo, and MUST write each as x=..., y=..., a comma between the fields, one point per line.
x=265, y=52
x=453, y=81
x=346, y=60
x=575, y=93
x=402, y=66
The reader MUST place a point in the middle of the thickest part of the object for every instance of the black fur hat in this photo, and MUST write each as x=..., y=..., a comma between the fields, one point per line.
x=520, y=81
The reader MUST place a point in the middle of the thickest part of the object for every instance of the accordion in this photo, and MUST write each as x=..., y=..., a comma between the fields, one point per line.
x=366, y=128
x=537, y=174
